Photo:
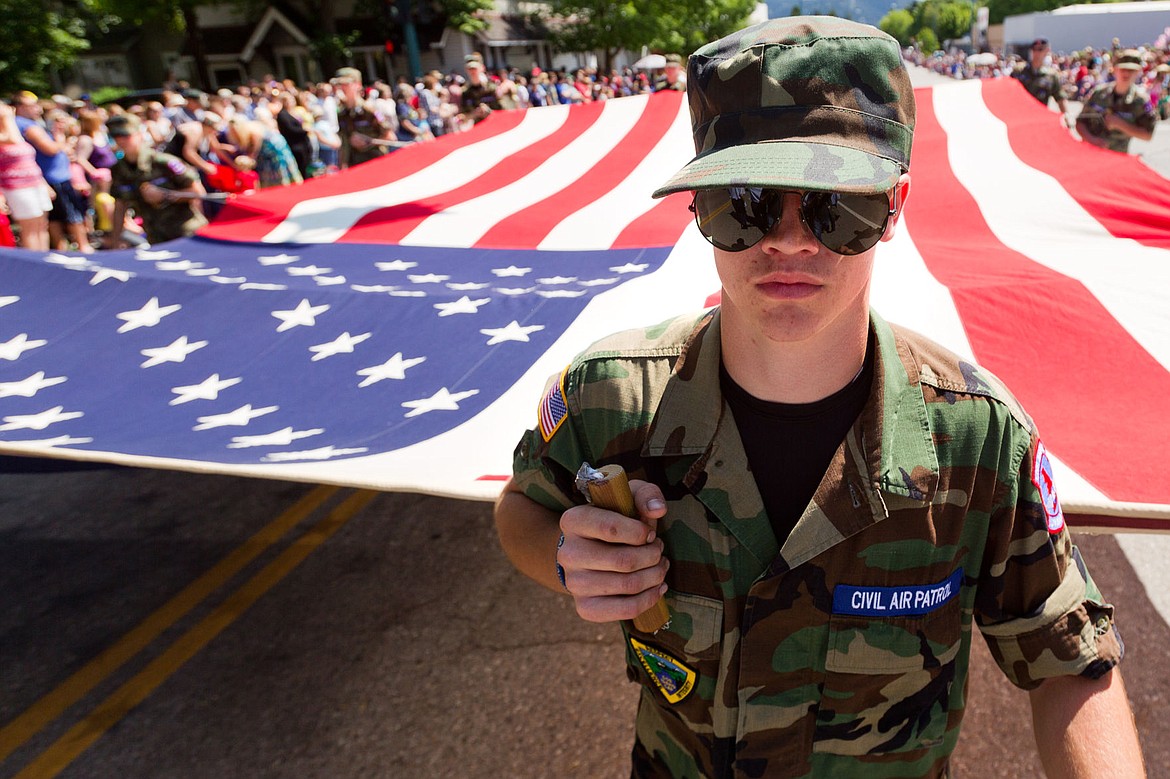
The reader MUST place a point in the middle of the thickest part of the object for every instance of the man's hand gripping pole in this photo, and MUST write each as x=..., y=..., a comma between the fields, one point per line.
x=608, y=487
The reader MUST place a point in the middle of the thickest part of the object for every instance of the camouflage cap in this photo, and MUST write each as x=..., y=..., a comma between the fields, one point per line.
x=806, y=102
x=1130, y=59
x=122, y=125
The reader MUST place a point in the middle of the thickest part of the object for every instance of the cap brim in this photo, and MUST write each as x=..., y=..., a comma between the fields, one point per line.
x=787, y=165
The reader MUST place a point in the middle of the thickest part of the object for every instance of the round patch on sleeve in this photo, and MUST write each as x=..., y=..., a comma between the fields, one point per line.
x=1042, y=478
x=176, y=167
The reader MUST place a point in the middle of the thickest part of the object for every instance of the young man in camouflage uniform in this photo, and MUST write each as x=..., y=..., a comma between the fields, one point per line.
x=1115, y=112
x=828, y=503
x=162, y=189
x=363, y=130
x=1042, y=81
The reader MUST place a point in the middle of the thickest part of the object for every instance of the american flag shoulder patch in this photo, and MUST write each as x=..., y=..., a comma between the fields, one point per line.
x=553, y=408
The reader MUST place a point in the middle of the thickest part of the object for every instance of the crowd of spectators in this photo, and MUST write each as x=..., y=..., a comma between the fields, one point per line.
x=59, y=162
x=1079, y=71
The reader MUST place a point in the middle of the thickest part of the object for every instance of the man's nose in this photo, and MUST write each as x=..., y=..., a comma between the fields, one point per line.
x=790, y=235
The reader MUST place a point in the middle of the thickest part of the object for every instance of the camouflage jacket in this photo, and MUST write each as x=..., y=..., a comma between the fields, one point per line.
x=1041, y=84
x=843, y=651
x=167, y=220
x=1133, y=107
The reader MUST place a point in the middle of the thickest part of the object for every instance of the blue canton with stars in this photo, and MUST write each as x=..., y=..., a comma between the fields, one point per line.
x=266, y=353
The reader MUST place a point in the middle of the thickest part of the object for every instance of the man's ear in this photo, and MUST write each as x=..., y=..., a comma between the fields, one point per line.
x=901, y=192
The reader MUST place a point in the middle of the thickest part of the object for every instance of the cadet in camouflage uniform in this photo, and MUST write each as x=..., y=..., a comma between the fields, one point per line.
x=671, y=80
x=1042, y=81
x=828, y=503
x=363, y=131
x=1116, y=111
x=161, y=188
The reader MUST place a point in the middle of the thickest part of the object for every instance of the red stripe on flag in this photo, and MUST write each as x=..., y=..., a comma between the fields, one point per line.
x=1132, y=202
x=537, y=221
x=391, y=225
x=252, y=217
x=662, y=225
x=1101, y=402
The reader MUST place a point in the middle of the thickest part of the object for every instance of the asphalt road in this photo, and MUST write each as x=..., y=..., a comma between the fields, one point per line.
x=160, y=624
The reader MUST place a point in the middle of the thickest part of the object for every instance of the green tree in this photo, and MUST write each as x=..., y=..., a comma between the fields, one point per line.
x=679, y=26
x=927, y=40
x=38, y=38
x=179, y=15
x=898, y=24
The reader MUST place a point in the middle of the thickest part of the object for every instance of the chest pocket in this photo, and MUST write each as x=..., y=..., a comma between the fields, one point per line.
x=679, y=664
x=888, y=681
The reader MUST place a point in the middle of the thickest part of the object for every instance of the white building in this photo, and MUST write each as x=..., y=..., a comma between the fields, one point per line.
x=1077, y=26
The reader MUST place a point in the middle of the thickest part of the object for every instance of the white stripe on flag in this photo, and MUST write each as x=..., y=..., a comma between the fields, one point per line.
x=326, y=219
x=598, y=225
x=465, y=223
x=1018, y=202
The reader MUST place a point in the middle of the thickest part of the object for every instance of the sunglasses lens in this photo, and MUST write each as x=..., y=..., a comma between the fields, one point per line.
x=846, y=223
x=736, y=219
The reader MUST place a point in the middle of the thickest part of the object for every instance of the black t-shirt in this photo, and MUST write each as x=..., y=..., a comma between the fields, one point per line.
x=789, y=445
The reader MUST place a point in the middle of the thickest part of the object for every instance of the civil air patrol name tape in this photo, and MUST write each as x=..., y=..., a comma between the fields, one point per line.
x=908, y=601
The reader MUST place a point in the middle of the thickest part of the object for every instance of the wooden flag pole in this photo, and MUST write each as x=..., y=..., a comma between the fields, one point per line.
x=608, y=487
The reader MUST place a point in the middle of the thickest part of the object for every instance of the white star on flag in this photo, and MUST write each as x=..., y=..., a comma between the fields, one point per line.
x=147, y=316
x=443, y=400
x=407, y=293
x=630, y=267
x=463, y=305
x=8, y=300
x=468, y=286
x=329, y=281
x=240, y=417
x=514, y=290
x=278, y=259
x=18, y=345
x=396, y=265
x=304, y=314
x=372, y=287
x=39, y=421
x=26, y=388
x=560, y=293
x=229, y=279
x=597, y=282
x=307, y=270
x=513, y=331
x=428, y=278
x=75, y=263
x=149, y=255
x=208, y=389
x=324, y=453
x=557, y=280
x=178, y=265
x=258, y=285
x=394, y=368
x=101, y=274
x=277, y=438
x=203, y=272
x=177, y=351
x=343, y=343
x=511, y=270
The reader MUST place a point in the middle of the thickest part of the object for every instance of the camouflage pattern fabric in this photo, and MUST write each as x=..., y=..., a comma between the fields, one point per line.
x=1041, y=84
x=362, y=119
x=1133, y=107
x=804, y=103
x=843, y=651
x=166, y=221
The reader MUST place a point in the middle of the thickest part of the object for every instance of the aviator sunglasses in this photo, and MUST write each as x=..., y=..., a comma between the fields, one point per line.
x=736, y=218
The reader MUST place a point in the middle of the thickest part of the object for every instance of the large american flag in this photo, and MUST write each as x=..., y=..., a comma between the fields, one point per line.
x=394, y=327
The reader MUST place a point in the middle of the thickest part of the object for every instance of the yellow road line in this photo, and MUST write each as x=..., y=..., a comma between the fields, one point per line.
x=73, y=689
x=107, y=713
